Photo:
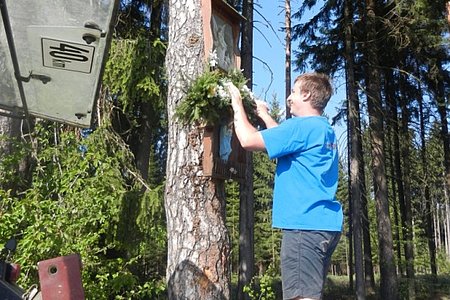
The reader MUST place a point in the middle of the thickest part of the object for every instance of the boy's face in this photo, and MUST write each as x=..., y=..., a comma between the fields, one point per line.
x=297, y=100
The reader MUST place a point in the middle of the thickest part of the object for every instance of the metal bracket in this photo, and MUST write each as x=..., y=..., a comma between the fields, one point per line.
x=93, y=25
x=44, y=78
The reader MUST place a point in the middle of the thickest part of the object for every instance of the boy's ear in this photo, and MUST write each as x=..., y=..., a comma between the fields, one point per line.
x=306, y=96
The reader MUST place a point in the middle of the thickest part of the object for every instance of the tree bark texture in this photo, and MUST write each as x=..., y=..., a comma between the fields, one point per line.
x=198, y=241
x=388, y=276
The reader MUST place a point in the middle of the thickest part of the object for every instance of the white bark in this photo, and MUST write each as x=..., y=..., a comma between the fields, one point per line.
x=198, y=243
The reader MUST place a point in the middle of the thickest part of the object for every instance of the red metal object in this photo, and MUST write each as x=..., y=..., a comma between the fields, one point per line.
x=12, y=272
x=60, y=278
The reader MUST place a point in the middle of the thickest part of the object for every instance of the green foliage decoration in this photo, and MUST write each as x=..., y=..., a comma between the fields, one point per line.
x=207, y=99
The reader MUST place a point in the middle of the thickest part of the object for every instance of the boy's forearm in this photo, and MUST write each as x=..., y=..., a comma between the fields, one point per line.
x=247, y=134
x=244, y=129
x=268, y=121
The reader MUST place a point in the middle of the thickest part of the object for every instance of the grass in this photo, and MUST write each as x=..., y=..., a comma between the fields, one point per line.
x=427, y=287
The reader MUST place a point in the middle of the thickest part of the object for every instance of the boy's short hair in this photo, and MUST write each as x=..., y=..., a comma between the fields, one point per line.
x=320, y=87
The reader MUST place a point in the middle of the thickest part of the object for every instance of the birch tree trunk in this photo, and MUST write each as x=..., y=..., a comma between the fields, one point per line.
x=198, y=241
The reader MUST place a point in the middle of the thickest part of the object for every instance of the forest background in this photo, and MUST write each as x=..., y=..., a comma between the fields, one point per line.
x=100, y=191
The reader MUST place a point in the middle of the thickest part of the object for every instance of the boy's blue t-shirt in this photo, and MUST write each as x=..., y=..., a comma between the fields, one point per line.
x=306, y=177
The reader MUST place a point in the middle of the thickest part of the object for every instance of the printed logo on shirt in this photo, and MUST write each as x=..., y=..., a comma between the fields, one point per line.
x=331, y=146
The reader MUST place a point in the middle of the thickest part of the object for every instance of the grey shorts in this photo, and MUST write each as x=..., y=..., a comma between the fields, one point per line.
x=305, y=258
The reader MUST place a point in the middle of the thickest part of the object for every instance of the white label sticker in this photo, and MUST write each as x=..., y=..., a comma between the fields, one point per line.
x=67, y=55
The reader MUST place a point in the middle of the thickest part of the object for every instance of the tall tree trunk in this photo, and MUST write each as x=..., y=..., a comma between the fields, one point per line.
x=426, y=193
x=368, y=264
x=435, y=217
x=396, y=170
x=288, y=55
x=198, y=240
x=397, y=226
x=442, y=109
x=446, y=233
x=406, y=179
x=350, y=266
x=355, y=155
x=367, y=246
x=388, y=278
x=148, y=115
x=246, y=207
x=393, y=149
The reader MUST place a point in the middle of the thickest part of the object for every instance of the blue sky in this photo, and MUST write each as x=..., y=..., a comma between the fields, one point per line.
x=269, y=48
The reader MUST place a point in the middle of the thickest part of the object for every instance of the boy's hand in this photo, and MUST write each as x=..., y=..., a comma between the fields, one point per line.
x=236, y=99
x=261, y=108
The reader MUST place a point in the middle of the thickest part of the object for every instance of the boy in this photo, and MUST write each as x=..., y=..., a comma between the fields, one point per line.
x=304, y=204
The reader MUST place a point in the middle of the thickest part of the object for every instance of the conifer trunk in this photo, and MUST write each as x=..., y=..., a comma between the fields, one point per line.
x=426, y=194
x=442, y=109
x=406, y=180
x=145, y=138
x=395, y=165
x=388, y=277
x=288, y=55
x=355, y=154
x=246, y=199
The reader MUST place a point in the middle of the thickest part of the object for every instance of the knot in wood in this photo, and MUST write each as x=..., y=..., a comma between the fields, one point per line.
x=193, y=39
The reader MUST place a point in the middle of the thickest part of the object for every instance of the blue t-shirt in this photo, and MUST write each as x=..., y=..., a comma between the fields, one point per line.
x=306, y=177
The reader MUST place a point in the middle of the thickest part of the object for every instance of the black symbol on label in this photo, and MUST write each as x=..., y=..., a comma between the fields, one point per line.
x=69, y=52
